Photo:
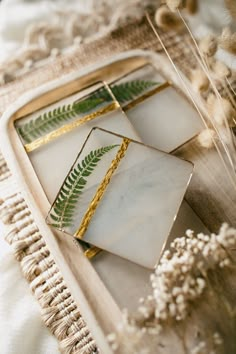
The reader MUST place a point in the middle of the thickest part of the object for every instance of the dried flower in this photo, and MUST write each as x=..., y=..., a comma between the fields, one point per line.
x=167, y=20
x=221, y=70
x=205, y=138
x=220, y=109
x=217, y=338
x=174, y=4
x=227, y=40
x=200, y=81
x=179, y=281
x=192, y=6
x=208, y=45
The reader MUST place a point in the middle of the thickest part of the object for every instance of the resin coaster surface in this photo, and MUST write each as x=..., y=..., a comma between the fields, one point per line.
x=162, y=116
x=54, y=137
x=121, y=196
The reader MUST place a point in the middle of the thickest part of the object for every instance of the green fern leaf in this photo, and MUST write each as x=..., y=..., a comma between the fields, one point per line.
x=65, y=205
x=52, y=119
x=127, y=91
x=130, y=90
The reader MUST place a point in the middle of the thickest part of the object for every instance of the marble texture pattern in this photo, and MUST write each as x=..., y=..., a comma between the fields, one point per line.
x=138, y=209
x=62, y=152
x=166, y=120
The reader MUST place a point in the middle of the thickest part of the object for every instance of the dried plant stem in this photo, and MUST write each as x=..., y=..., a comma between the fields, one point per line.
x=233, y=181
x=203, y=64
x=231, y=87
x=205, y=67
x=230, y=96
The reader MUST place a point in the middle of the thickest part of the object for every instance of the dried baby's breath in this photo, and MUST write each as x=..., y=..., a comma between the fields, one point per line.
x=181, y=280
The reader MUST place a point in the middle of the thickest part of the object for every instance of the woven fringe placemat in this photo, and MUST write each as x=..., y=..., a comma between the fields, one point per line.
x=59, y=311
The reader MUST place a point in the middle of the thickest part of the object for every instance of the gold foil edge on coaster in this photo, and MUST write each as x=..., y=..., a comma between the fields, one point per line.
x=92, y=252
x=69, y=127
x=146, y=95
x=101, y=189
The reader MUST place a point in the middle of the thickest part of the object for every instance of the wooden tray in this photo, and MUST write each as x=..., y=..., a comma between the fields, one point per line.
x=95, y=284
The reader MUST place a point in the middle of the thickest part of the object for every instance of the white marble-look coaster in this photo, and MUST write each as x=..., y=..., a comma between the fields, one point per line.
x=139, y=205
x=166, y=119
x=114, y=270
x=52, y=161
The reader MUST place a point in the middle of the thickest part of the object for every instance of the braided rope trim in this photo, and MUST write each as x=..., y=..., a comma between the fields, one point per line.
x=59, y=310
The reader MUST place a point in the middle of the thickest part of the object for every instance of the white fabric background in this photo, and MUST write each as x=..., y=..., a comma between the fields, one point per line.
x=21, y=328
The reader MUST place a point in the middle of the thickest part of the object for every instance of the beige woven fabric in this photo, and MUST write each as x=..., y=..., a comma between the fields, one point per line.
x=60, y=312
x=133, y=36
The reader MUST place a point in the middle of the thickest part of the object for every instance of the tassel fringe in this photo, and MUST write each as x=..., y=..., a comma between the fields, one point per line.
x=59, y=311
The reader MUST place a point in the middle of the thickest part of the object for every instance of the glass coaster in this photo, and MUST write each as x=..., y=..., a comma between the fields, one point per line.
x=121, y=196
x=53, y=136
x=161, y=115
x=76, y=111
x=138, y=85
x=114, y=270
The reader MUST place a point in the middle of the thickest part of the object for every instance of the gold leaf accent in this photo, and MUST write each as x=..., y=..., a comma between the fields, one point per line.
x=69, y=127
x=101, y=189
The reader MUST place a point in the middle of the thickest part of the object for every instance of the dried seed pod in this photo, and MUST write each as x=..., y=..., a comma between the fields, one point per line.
x=220, y=109
x=200, y=81
x=205, y=138
x=167, y=20
x=174, y=4
x=192, y=6
x=227, y=40
x=221, y=70
x=208, y=45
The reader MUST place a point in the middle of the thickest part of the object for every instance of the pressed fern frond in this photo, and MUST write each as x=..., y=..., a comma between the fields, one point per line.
x=52, y=119
x=126, y=91
x=65, y=205
x=131, y=89
x=49, y=121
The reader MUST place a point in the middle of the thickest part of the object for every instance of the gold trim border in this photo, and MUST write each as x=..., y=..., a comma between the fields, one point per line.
x=80, y=121
x=101, y=189
x=69, y=127
x=92, y=252
x=146, y=95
